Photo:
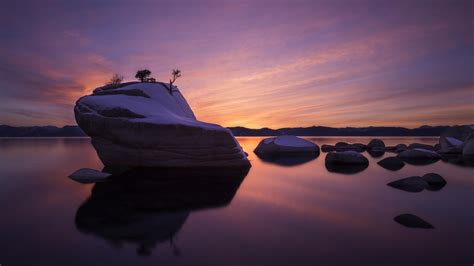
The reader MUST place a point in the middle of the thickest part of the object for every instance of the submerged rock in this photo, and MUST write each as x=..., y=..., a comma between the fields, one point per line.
x=435, y=181
x=143, y=125
x=421, y=146
x=346, y=157
x=391, y=163
x=87, y=176
x=343, y=146
x=410, y=184
x=419, y=156
x=430, y=181
x=327, y=148
x=412, y=221
x=286, y=145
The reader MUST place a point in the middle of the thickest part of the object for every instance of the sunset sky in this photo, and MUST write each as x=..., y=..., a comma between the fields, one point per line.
x=254, y=63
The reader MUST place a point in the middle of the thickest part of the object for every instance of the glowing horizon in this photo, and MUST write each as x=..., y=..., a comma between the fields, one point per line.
x=254, y=64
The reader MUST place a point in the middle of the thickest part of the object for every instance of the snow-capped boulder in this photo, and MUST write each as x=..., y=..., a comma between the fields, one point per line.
x=87, y=176
x=419, y=156
x=391, y=163
x=285, y=145
x=144, y=125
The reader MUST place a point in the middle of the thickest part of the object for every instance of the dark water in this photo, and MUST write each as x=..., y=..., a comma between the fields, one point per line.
x=274, y=215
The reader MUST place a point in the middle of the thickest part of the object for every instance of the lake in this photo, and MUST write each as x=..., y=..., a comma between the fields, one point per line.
x=275, y=214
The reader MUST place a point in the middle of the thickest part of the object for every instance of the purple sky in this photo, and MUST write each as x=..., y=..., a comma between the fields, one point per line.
x=248, y=63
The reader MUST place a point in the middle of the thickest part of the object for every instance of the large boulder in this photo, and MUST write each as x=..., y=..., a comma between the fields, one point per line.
x=144, y=125
x=286, y=145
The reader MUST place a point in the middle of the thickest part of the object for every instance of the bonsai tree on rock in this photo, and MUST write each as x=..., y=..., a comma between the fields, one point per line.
x=114, y=82
x=143, y=75
x=176, y=73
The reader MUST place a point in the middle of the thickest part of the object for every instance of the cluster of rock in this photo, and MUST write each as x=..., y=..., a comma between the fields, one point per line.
x=144, y=125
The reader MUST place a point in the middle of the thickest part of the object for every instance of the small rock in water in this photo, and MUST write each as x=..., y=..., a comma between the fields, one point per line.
x=412, y=221
x=410, y=184
x=327, y=148
x=435, y=181
x=376, y=143
x=419, y=156
x=286, y=145
x=391, y=163
x=346, y=162
x=87, y=175
x=421, y=146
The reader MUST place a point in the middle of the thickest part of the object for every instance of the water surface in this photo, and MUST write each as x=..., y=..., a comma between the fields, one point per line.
x=273, y=215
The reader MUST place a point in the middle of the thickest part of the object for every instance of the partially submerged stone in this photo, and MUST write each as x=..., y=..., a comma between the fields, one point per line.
x=88, y=175
x=410, y=184
x=412, y=221
x=376, y=143
x=419, y=156
x=435, y=181
x=430, y=181
x=347, y=162
x=391, y=163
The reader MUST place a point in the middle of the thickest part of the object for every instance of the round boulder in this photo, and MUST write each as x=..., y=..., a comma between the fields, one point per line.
x=285, y=145
x=376, y=143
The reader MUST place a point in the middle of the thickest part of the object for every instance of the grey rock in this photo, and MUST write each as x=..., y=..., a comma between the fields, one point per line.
x=421, y=146
x=88, y=175
x=286, y=145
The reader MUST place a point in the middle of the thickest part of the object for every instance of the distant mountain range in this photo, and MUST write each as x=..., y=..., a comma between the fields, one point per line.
x=75, y=131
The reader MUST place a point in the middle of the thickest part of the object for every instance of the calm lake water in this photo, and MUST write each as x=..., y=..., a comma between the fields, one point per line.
x=274, y=215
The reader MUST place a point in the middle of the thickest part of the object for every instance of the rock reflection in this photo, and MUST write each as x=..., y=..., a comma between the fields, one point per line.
x=347, y=169
x=146, y=207
x=288, y=159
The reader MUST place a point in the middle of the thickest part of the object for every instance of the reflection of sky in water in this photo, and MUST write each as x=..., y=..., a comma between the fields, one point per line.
x=280, y=215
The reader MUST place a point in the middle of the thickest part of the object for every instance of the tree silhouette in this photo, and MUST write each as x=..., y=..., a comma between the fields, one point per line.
x=143, y=75
x=116, y=79
x=176, y=74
